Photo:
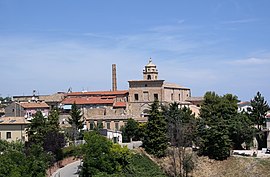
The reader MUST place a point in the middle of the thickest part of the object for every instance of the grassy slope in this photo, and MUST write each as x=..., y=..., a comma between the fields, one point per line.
x=234, y=166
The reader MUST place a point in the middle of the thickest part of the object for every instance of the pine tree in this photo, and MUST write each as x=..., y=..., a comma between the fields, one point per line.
x=259, y=110
x=155, y=141
x=75, y=120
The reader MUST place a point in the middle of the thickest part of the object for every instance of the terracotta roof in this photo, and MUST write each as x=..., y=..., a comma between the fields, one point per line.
x=89, y=100
x=244, y=103
x=120, y=104
x=34, y=105
x=111, y=93
x=13, y=120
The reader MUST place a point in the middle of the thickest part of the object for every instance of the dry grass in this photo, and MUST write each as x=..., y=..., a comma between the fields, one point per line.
x=232, y=167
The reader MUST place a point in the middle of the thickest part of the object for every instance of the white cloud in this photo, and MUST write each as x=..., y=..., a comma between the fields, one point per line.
x=251, y=61
x=240, y=21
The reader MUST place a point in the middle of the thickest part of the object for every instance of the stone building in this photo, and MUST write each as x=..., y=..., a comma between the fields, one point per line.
x=13, y=129
x=143, y=92
x=101, y=108
x=26, y=109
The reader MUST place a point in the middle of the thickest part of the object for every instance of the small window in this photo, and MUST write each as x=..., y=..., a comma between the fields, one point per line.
x=8, y=135
x=136, y=97
x=108, y=125
x=13, y=110
x=155, y=96
x=148, y=77
x=116, y=125
x=172, y=96
x=145, y=96
x=179, y=97
x=92, y=124
x=145, y=85
x=99, y=124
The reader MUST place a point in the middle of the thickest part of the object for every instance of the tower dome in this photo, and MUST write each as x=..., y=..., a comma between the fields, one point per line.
x=150, y=71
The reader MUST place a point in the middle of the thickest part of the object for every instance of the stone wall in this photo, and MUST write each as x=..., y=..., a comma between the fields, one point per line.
x=60, y=164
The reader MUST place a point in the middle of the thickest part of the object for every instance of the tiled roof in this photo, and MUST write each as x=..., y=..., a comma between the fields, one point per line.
x=119, y=92
x=89, y=100
x=13, y=120
x=34, y=105
x=244, y=103
x=57, y=97
x=119, y=104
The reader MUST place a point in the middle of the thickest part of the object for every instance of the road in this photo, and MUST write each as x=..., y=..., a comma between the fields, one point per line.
x=69, y=170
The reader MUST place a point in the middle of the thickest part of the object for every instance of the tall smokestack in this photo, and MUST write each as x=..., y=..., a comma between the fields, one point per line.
x=114, y=82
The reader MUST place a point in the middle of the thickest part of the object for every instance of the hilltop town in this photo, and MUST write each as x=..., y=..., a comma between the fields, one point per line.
x=157, y=119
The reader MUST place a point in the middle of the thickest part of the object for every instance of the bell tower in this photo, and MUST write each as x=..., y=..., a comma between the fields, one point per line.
x=150, y=71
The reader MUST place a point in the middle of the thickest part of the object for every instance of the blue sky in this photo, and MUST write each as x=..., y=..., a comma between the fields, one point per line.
x=210, y=45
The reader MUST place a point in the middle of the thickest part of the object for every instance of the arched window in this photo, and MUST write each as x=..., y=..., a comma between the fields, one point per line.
x=148, y=77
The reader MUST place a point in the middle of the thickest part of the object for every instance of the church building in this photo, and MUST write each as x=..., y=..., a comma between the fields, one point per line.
x=142, y=93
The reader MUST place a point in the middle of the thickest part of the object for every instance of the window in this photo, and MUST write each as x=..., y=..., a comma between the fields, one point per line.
x=108, y=125
x=136, y=97
x=148, y=77
x=145, y=96
x=145, y=85
x=13, y=110
x=92, y=125
x=172, y=96
x=99, y=124
x=8, y=135
x=116, y=125
x=179, y=97
x=155, y=96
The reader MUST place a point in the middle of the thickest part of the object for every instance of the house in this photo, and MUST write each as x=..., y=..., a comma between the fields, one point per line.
x=244, y=106
x=53, y=100
x=13, y=129
x=114, y=136
x=107, y=109
x=26, y=109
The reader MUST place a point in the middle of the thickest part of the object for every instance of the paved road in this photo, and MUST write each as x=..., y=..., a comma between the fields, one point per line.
x=69, y=170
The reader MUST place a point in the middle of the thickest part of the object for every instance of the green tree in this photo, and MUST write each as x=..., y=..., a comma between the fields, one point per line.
x=155, y=141
x=131, y=130
x=53, y=121
x=75, y=120
x=102, y=156
x=45, y=132
x=259, y=110
x=37, y=129
x=221, y=127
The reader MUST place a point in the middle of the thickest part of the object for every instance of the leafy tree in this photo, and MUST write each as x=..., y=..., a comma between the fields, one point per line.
x=155, y=141
x=19, y=161
x=131, y=130
x=45, y=132
x=259, y=110
x=100, y=155
x=221, y=127
x=241, y=131
x=75, y=120
x=216, y=143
